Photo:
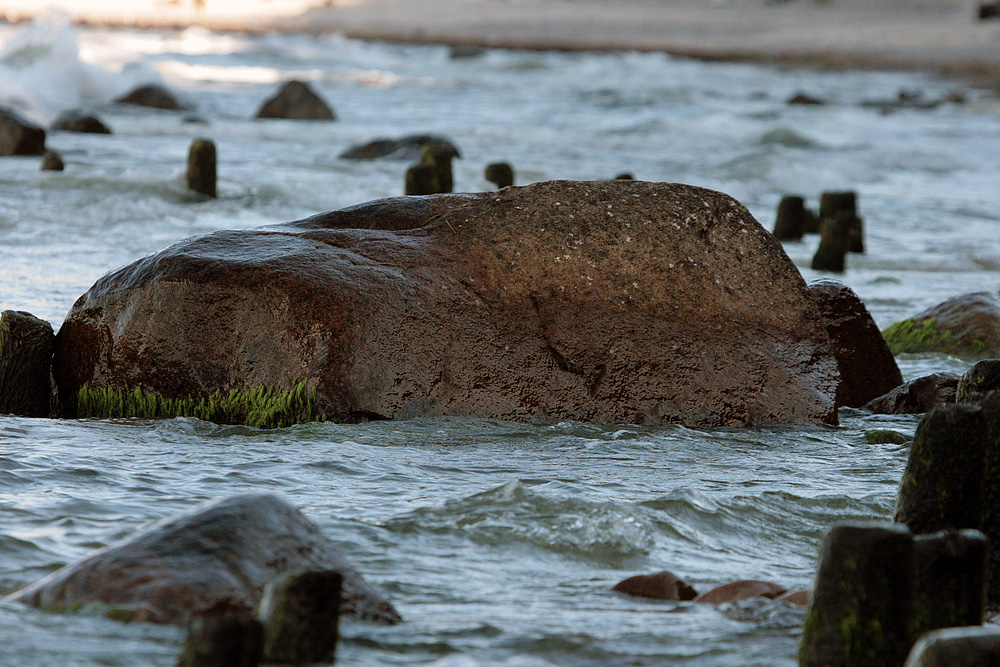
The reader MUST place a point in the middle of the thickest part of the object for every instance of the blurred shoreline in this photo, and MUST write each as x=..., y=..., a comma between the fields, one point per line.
x=939, y=36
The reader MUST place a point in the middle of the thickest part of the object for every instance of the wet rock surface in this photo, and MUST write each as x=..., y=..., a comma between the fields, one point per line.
x=19, y=136
x=217, y=558
x=867, y=368
x=613, y=302
x=916, y=396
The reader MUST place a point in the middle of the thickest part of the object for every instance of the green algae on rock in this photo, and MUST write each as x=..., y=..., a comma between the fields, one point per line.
x=907, y=336
x=261, y=407
x=967, y=325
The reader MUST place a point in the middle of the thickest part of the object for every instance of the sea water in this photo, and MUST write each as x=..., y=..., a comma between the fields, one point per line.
x=497, y=541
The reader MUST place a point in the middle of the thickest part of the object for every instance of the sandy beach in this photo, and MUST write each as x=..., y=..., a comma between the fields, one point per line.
x=938, y=35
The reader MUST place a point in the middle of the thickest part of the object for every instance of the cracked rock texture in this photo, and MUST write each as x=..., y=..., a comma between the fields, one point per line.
x=613, y=302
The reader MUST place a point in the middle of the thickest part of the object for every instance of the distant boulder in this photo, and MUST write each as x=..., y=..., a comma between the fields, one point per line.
x=76, y=120
x=216, y=557
x=966, y=326
x=155, y=96
x=19, y=136
x=296, y=101
x=404, y=148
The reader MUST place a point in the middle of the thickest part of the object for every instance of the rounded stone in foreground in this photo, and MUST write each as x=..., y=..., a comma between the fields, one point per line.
x=861, y=610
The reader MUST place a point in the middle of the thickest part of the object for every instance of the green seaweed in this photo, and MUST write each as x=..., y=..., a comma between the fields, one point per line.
x=884, y=437
x=907, y=336
x=259, y=407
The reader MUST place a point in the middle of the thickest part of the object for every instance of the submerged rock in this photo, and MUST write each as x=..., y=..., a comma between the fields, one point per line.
x=52, y=161
x=404, y=148
x=741, y=590
x=658, y=586
x=613, y=302
x=296, y=101
x=966, y=325
x=76, y=120
x=916, y=396
x=19, y=136
x=154, y=96
x=216, y=557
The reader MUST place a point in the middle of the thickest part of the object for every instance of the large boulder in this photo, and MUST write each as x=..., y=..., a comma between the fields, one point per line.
x=614, y=302
x=867, y=368
x=78, y=120
x=966, y=325
x=214, y=558
x=19, y=136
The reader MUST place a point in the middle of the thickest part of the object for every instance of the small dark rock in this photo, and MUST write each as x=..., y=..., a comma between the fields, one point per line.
x=625, y=177
x=19, y=136
x=459, y=51
x=26, y=347
x=867, y=368
x=76, y=120
x=296, y=101
x=916, y=396
x=404, y=148
x=802, y=98
x=835, y=242
x=885, y=437
x=439, y=157
x=741, y=590
x=659, y=586
x=301, y=611
x=155, y=96
x=989, y=10
x=52, y=162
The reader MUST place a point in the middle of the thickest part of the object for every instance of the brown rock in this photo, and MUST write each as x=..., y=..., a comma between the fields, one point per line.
x=26, y=344
x=76, y=120
x=966, y=325
x=916, y=396
x=297, y=101
x=154, y=96
x=659, y=586
x=611, y=302
x=216, y=558
x=19, y=136
x=740, y=590
x=867, y=368
x=800, y=597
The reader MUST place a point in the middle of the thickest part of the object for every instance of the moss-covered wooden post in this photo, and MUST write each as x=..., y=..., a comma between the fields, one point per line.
x=983, y=377
x=951, y=579
x=792, y=219
x=227, y=640
x=421, y=179
x=844, y=205
x=834, y=242
x=301, y=613
x=499, y=173
x=438, y=155
x=26, y=346
x=990, y=406
x=942, y=485
x=861, y=610
x=201, y=167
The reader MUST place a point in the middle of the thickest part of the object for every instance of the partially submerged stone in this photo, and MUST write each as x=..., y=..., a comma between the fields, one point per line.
x=52, y=161
x=916, y=396
x=77, y=120
x=500, y=174
x=26, y=345
x=300, y=611
x=201, y=167
x=966, y=325
x=154, y=96
x=867, y=368
x=296, y=101
x=403, y=148
x=609, y=302
x=741, y=590
x=19, y=136
x=658, y=586
x=216, y=557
